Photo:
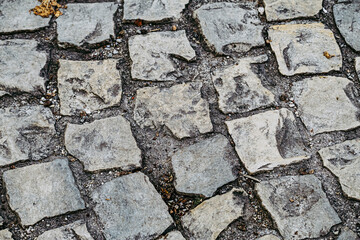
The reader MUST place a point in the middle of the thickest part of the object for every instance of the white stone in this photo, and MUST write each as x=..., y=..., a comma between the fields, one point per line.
x=269, y=237
x=174, y=235
x=76, y=230
x=5, y=235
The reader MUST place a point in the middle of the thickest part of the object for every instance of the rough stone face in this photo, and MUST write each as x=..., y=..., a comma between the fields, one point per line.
x=240, y=89
x=76, y=230
x=25, y=133
x=153, y=10
x=323, y=104
x=150, y=55
x=347, y=234
x=86, y=23
x=21, y=64
x=357, y=66
x=14, y=16
x=344, y=161
x=42, y=190
x=174, y=235
x=300, y=48
x=298, y=205
x=267, y=140
x=284, y=9
x=130, y=208
x=102, y=144
x=5, y=235
x=180, y=108
x=236, y=27
x=211, y=217
x=88, y=85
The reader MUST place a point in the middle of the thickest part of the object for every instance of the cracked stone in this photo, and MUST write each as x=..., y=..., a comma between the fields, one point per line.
x=240, y=89
x=230, y=26
x=25, y=133
x=130, y=208
x=180, y=108
x=298, y=205
x=42, y=190
x=269, y=237
x=357, y=66
x=347, y=234
x=300, y=48
x=323, y=104
x=5, y=235
x=343, y=160
x=86, y=23
x=174, y=235
x=88, y=85
x=210, y=218
x=76, y=230
x=150, y=55
x=103, y=144
x=20, y=65
x=267, y=140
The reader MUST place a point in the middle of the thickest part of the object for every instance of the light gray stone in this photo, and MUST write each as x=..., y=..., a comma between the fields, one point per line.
x=1, y=221
x=300, y=48
x=343, y=160
x=5, y=235
x=76, y=230
x=210, y=218
x=236, y=27
x=174, y=235
x=323, y=104
x=20, y=65
x=267, y=140
x=180, y=108
x=15, y=16
x=298, y=205
x=86, y=23
x=239, y=88
x=25, y=133
x=42, y=190
x=130, y=208
x=103, y=144
x=357, y=66
x=88, y=85
x=150, y=55
x=2, y=93
x=347, y=234
x=269, y=237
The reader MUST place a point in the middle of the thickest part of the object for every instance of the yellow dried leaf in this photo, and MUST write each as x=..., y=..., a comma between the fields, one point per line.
x=48, y=8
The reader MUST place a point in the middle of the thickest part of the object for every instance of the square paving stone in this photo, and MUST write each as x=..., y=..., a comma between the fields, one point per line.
x=73, y=231
x=42, y=190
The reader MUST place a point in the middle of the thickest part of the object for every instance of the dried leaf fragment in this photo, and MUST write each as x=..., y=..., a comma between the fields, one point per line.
x=47, y=8
x=328, y=55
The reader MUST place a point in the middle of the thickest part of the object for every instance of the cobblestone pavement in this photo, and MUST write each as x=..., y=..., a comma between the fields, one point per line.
x=180, y=119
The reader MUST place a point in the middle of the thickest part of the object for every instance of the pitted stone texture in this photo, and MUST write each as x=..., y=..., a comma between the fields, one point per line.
x=210, y=218
x=174, y=235
x=88, y=85
x=153, y=10
x=180, y=108
x=5, y=235
x=86, y=23
x=269, y=237
x=15, y=16
x=323, y=104
x=236, y=27
x=150, y=55
x=76, y=230
x=25, y=133
x=42, y=190
x=240, y=89
x=344, y=161
x=347, y=19
x=21, y=64
x=357, y=66
x=284, y=9
x=103, y=144
x=299, y=48
x=130, y=208
x=347, y=234
x=267, y=140
x=204, y=166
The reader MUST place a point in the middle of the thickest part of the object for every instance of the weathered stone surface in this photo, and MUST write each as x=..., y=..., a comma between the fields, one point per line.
x=180, y=108
x=298, y=205
x=21, y=64
x=269, y=237
x=240, y=89
x=1, y=221
x=357, y=66
x=42, y=190
x=230, y=25
x=347, y=234
x=88, y=85
x=2, y=93
x=25, y=133
x=86, y=23
x=150, y=55
x=323, y=104
x=284, y=9
x=5, y=235
x=153, y=10
x=130, y=208
x=267, y=140
x=210, y=218
x=76, y=230
x=174, y=235
x=347, y=19
x=15, y=16
x=344, y=161
x=300, y=48
x=102, y=144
